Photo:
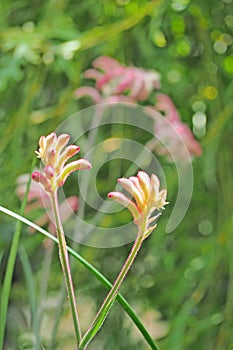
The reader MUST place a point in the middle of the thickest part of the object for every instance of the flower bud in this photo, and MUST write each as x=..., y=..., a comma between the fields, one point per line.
x=40, y=178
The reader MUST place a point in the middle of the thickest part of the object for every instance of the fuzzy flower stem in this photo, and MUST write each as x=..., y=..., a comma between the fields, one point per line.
x=109, y=300
x=63, y=254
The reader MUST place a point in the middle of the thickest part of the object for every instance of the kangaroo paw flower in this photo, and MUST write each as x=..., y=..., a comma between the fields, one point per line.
x=147, y=199
x=54, y=154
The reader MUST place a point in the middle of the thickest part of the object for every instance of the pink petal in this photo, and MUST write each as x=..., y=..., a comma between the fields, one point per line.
x=88, y=91
x=119, y=98
x=165, y=104
x=93, y=74
x=130, y=187
x=62, y=141
x=105, y=63
x=144, y=181
x=126, y=202
x=69, y=152
x=80, y=164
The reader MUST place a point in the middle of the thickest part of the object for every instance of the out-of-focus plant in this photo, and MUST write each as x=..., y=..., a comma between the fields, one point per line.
x=166, y=133
x=115, y=82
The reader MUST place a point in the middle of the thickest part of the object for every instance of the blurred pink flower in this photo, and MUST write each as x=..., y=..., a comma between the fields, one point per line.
x=97, y=98
x=172, y=132
x=39, y=199
x=117, y=83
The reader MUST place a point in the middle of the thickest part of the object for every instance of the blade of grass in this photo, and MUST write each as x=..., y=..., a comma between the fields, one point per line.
x=95, y=272
x=6, y=288
x=31, y=295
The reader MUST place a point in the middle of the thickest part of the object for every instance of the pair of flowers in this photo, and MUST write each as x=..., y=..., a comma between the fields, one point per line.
x=146, y=200
x=55, y=153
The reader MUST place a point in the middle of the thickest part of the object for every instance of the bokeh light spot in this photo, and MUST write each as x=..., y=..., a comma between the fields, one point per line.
x=199, y=106
x=229, y=20
x=173, y=76
x=220, y=47
x=199, y=124
x=210, y=92
x=205, y=227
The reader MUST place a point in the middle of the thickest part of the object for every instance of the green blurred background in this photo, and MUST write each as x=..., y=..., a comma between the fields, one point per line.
x=182, y=283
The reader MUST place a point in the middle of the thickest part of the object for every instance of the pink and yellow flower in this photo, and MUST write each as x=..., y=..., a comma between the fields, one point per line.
x=54, y=154
x=147, y=199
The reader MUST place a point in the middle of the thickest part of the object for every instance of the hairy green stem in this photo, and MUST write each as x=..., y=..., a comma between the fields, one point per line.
x=109, y=300
x=63, y=254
